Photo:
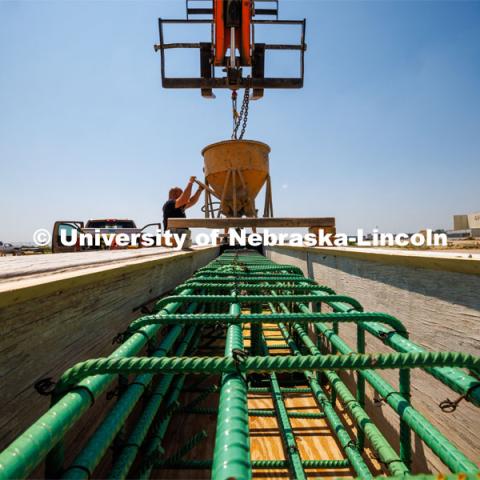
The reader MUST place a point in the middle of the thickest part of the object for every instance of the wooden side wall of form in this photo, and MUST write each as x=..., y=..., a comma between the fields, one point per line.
x=73, y=320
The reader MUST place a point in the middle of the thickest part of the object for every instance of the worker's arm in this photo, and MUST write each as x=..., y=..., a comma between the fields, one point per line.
x=194, y=198
x=184, y=198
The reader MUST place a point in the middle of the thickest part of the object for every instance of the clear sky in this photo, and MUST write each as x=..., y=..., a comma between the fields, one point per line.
x=385, y=133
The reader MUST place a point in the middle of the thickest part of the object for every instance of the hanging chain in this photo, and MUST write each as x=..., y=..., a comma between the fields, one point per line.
x=240, y=119
x=244, y=111
x=234, y=113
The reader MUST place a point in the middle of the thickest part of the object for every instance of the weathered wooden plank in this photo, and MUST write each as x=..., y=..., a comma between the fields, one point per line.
x=233, y=222
x=443, y=260
x=40, y=278
x=13, y=268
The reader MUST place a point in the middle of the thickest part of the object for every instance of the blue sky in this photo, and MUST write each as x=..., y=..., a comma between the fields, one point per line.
x=385, y=132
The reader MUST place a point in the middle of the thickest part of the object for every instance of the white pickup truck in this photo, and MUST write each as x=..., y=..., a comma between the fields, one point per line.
x=108, y=226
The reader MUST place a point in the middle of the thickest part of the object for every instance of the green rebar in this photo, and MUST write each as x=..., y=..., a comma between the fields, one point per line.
x=256, y=333
x=290, y=443
x=379, y=443
x=252, y=412
x=277, y=364
x=207, y=271
x=182, y=451
x=284, y=390
x=333, y=419
x=405, y=431
x=231, y=456
x=213, y=318
x=255, y=299
x=365, y=425
x=127, y=456
x=159, y=428
x=89, y=457
x=278, y=346
x=437, y=476
x=200, y=398
x=257, y=278
x=448, y=453
x=360, y=393
x=254, y=287
x=264, y=464
x=454, y=378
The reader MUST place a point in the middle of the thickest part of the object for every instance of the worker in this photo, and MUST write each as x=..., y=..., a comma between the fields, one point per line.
x=178, y=201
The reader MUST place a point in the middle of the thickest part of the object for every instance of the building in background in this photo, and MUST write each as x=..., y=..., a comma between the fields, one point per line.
x=474, y=224
x=460, y=222
x=466, y=225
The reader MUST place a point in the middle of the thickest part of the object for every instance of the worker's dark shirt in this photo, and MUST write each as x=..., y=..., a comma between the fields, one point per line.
x=171, y=211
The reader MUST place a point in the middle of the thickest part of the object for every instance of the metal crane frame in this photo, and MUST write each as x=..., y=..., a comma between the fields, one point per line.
x=234, y=80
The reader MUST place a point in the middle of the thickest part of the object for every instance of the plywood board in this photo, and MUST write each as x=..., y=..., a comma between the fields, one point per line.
x=232, y=222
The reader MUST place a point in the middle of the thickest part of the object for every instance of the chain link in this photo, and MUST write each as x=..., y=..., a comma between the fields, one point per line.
x=240, y=119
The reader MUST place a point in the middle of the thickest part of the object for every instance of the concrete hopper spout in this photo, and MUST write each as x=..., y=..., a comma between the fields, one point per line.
x=236, y=171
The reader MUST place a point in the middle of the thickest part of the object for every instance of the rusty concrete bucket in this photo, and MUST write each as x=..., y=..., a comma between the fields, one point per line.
x=236, y=171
